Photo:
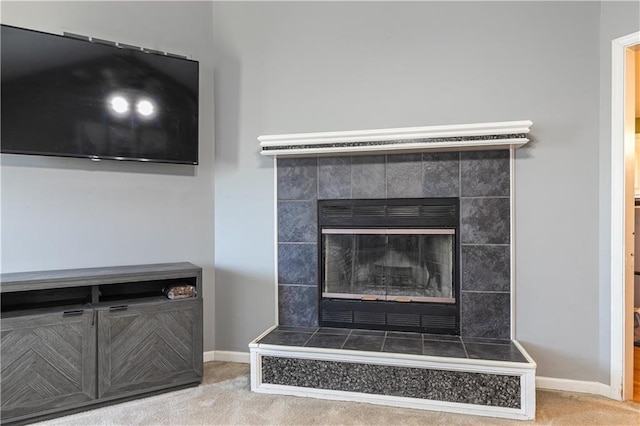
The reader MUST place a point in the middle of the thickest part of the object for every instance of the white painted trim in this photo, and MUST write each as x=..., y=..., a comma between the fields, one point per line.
x=618, y=49
x=526, y=371
x=550, y=383
x=400, y=148
x=226, y=356
x=255, y=369
x=528, y=394
x=404, y=133
x=580, y=386
x=525, y=353
x=396, y=401
x=232, y=356
x=254, y=342
x=411, y=139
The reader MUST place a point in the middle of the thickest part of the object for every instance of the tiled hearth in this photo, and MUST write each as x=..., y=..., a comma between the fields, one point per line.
x=481, y=371
x=487, y=377
x=394, y=342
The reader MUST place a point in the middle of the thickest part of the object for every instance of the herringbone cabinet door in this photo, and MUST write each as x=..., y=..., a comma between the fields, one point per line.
x=48, y=361
x=148, y=345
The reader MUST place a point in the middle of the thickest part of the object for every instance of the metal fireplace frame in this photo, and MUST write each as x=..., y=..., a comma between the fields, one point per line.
x=405, y=213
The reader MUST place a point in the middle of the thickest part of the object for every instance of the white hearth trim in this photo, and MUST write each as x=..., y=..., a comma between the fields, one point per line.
x=526, y=372
x=407, y=139
x=546, y=383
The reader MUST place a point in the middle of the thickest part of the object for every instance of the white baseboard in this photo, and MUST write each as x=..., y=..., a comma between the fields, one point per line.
x=580, y=386
x=227, y=356
x=552, y=383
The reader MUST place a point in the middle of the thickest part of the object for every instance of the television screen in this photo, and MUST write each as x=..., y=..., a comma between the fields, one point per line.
x=64, y=96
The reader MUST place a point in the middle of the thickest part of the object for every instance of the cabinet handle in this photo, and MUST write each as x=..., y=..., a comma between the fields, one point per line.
x=73, y=313
x=118, y=308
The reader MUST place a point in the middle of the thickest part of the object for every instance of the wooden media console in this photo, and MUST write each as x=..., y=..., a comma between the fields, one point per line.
x=75, y=339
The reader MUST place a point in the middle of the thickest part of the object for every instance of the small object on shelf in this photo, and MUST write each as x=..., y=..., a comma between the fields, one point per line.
x=180, y=291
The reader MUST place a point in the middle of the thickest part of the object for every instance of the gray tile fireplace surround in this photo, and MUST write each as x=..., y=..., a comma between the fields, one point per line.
x=480, y=372
x=481, y=179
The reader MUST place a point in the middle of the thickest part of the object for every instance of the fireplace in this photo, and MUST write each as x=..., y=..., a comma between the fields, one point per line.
x=397, y=230
x=479, y=180
x=389, y=264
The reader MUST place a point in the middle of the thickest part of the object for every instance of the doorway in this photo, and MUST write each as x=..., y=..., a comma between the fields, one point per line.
x=623, y=163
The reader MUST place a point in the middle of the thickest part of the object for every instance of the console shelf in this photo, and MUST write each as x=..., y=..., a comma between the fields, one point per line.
x=73, y=339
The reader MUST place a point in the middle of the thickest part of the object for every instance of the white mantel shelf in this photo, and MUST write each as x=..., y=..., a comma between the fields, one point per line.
x=459, y=137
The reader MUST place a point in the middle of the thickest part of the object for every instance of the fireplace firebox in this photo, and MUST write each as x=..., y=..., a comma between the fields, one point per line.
x=389, y=264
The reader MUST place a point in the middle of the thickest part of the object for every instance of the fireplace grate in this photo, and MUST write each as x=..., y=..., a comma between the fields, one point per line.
x=375, y=318
x=438, y=321
x=396, y=212
x=345, y=317
x=393, y=219
x=390, y=321
x=368, y=211
x=403, y=211
x=403, y=320
x=437, y=211
x=337, y=211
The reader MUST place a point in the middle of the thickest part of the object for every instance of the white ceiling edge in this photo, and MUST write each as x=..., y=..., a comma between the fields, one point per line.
x=409, y=139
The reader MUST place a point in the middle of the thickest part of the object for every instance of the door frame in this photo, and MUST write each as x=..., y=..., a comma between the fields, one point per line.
x=622, y=138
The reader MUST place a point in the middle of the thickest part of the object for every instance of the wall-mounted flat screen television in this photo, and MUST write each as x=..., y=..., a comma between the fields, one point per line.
x=64, y=96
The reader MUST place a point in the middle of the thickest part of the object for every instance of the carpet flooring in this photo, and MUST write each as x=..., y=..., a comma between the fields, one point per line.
x=225, y=398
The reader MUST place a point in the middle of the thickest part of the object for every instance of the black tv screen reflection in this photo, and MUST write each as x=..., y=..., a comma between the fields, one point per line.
x=67, y=97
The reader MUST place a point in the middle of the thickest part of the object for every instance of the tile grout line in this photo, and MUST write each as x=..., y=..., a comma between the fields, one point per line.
x=310, y=337
x=486, y=196
x=350, y=180
x=490, y=343
x=422, y=185
x=347, y=338
x=297, y=285
x=386, y=183
x=459, y=174
x=461, y=238
x=317, y=161
x=464, y=347
x=298, y=242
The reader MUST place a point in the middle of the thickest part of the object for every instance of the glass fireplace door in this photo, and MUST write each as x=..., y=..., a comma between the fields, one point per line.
x=402, y=265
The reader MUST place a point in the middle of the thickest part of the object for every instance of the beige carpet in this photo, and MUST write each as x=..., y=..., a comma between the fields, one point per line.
x=225, y=398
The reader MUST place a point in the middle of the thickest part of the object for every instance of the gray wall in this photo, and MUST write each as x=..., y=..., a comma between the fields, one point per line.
x=307, y=67
x=67, y=213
